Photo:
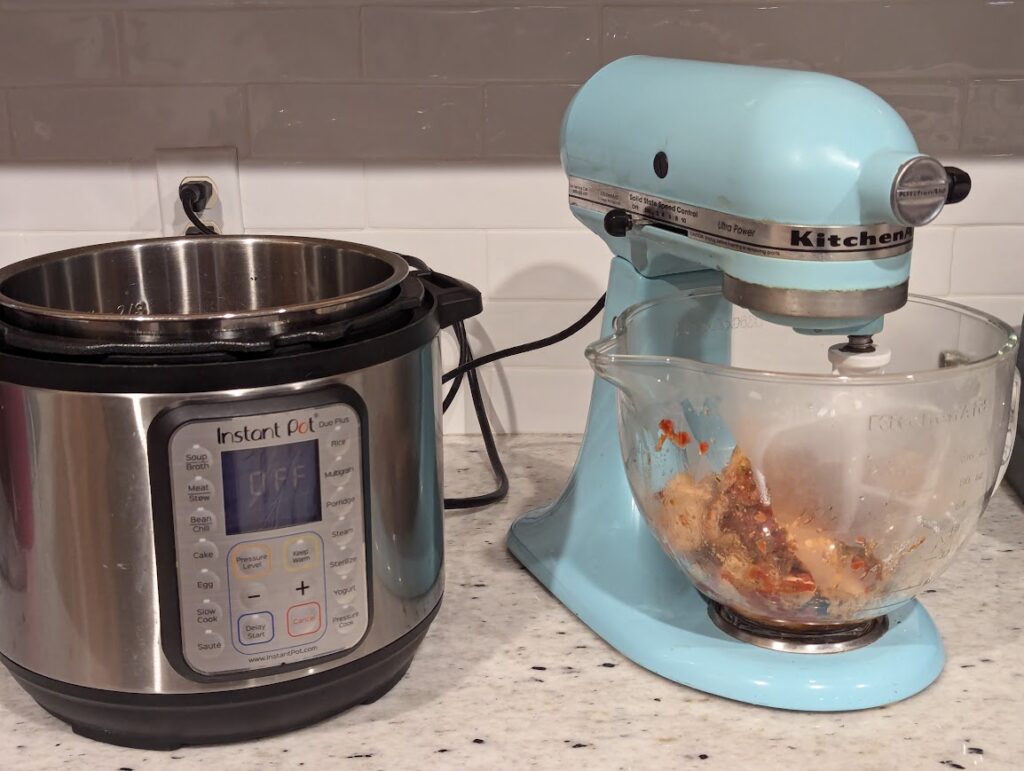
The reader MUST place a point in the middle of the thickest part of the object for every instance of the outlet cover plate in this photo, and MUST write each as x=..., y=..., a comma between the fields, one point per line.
x=219, y=164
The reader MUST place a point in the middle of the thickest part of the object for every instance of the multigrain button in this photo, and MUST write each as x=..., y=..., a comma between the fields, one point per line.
x=197, y=459
x=255, y=628
x=202, y=521
x=207, y=582
x=199, y=490
x=301, y=553
x=208, y=613
x=251, y=560
x=209, y=645
x=339, y=476
x=204, y=552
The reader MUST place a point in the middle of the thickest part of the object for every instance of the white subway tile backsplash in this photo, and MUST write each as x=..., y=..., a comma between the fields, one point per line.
x=20, y=246
x=546, y=264
x=997, y=192
x=930, y=265
x=57, y=47
x=47, y=197
x=295, y=195
x=537, y=400
x=988, y=260
x=468, y=196
x=1009, y=308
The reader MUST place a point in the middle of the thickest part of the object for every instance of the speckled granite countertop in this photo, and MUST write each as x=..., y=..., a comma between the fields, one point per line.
x=508, y=678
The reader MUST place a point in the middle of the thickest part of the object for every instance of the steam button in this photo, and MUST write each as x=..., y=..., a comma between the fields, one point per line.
x=199, y=490
x=343, y=532
x=198, y=459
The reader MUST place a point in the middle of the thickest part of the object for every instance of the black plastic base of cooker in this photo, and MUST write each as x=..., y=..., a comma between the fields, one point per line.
x=169, y=721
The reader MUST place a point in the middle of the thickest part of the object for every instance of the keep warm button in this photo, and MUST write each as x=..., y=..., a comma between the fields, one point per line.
x=301, y=553
x=255, y=628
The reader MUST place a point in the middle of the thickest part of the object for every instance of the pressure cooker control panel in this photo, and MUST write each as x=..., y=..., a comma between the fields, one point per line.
x=269, y=537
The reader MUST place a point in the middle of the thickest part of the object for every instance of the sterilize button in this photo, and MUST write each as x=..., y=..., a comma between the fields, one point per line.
x=343, y=561
x=197, y=459
x=255, y=628
x=301, y=553
x=202, y=521
x=199, y=489
x=253, y=595
x=303, y=619
x=203, y=551
x=251, y=560
x=207, y=581
x=208, y=612
x=210, y=644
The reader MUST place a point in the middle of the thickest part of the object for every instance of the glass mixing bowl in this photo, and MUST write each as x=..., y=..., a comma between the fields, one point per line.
x=798, y=499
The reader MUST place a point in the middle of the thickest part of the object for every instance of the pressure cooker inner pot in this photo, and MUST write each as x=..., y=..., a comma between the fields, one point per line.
x=197, y=288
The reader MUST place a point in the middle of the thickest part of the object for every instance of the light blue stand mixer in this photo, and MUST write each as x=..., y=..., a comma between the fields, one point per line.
x=740, y=199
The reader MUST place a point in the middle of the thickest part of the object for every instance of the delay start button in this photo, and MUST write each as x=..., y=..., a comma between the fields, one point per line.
x=255, y=628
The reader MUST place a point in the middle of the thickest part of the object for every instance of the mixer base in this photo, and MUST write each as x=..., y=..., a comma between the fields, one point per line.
x=831, y=640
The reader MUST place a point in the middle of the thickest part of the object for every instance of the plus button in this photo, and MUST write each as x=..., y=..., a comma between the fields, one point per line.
x=302, y=587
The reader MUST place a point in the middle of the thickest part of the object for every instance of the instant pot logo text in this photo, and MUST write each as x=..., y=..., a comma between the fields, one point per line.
x=911, y=420
x=293, y=427
x=821, y=240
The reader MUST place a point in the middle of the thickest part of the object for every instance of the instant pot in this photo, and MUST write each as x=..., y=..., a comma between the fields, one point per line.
x=220, y=481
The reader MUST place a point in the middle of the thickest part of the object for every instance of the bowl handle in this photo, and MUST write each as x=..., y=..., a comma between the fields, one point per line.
x=1011, y=431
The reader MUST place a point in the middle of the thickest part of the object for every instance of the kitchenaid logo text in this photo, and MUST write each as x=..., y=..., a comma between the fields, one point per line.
x=911, y=420
x=822, y=240
x=293, y=427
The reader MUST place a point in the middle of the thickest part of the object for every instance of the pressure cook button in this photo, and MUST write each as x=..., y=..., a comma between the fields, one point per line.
x=197, y=459
x=301, y=553
x=207, y=613
x=202, y=521
x=209, y=645
x=204, y=552
x=343, y=532
x=199, y=489
x=255, y=628
x=340, y=505
x=344, y=620
x=251, y=560
x=253, y=595
x=207, y=581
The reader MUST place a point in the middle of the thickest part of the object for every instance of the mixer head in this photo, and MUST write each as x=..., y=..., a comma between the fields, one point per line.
x=802, y=189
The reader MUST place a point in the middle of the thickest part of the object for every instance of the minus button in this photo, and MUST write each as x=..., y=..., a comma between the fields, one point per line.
x=252, y=595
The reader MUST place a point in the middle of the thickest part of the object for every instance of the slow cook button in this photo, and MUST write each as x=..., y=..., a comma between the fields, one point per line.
x=251, y=560
x=208, y=613
x=202, y=521
x=303, y=619
x=209, y=645
x=207, y=582
x=204, y=552
x=197, y=459
x=199, y=490
x=301, y=553
x=255, y=628
x=340, y=505
x=343, y=595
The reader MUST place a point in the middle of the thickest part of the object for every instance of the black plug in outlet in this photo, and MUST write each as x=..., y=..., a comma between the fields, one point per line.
x=195, y=194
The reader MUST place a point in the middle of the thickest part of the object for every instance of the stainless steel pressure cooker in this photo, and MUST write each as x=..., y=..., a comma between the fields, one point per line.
x=220, y=481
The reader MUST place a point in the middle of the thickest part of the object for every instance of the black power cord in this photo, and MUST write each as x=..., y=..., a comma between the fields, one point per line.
x=194, y=197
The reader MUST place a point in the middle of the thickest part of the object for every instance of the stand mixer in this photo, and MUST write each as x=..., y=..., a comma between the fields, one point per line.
x=782, y=450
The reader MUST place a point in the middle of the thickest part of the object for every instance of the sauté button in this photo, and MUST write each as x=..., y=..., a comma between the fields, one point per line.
x=197, y=459
x=204, y=552
x=303, y=619
x=251, y=560
x=207, y=581
x=202, y=521
x=252, y=595
x=199, y=490
x=209, y=645
x=301, y=553
x=255, y=628
x=207, y=613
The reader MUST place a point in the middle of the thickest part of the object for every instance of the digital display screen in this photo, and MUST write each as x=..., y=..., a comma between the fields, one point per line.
x=271, y=487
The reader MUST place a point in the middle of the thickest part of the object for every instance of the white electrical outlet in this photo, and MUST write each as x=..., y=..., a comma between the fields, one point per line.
x=218, y=165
